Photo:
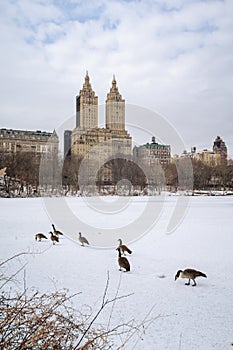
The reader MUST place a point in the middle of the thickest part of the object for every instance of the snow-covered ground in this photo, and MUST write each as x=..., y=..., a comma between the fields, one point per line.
x=198, y=317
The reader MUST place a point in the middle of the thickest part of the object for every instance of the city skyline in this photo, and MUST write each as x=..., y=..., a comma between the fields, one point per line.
x=172, y=57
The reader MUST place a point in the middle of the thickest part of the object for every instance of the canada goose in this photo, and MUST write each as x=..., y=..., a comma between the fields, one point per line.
x=53, y=238
x=123, y=261
x=39, y=236
x=191, y=274
x=123, y=247
x=56, y=232
x=82, y=240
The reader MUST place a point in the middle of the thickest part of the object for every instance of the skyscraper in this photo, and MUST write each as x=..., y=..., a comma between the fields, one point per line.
x=98, y=145
x=115, y=109
x=86, y=107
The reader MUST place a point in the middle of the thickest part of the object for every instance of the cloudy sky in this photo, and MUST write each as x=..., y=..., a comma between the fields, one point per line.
x=174, y=57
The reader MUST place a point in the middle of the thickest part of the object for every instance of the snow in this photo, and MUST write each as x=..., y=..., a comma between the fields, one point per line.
x=185, y=317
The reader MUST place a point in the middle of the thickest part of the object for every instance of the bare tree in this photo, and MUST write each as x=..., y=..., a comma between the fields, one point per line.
x=70, y=173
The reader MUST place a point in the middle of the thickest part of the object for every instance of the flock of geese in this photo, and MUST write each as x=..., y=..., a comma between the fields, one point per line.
x=54, y=236
x=123, y=262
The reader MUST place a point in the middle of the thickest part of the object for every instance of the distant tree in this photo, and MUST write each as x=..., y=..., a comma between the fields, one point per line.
x=70, y=172
x=229, y=177
x=222, y=177
x=171, y=176
x=122, y=169
x=202, y=175
x=50, y=172
x=22, y=171
x=27, y=170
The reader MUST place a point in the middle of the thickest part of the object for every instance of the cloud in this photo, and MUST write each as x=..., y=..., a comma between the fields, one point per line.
x=174, y=57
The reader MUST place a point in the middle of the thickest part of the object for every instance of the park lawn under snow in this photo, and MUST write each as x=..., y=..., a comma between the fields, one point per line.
x=185, y=317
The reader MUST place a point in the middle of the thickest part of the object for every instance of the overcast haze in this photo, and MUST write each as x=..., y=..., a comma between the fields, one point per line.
x=174, y=57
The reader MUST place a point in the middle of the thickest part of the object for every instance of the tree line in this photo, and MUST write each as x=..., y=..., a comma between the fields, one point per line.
x=25, y=171
x=30, y=174
x=205, y=177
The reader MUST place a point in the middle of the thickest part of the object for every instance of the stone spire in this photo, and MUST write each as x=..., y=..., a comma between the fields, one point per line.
x=114, y=94
x=87, y=85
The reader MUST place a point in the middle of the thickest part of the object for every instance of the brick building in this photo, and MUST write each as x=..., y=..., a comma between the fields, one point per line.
x=220, y=148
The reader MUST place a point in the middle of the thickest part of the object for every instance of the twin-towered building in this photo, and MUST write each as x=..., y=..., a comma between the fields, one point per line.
x=90, y=141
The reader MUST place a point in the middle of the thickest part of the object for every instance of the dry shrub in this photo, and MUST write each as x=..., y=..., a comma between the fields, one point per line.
x=30, y=320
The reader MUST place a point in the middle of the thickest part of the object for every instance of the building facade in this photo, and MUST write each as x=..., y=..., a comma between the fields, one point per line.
x=208, y=157
x=220, y=148
x=98, y=145
x=153, y=153
x=205, y=156
x=216, y=157
x=36, y=142
x=115, y=109
x=67, y=143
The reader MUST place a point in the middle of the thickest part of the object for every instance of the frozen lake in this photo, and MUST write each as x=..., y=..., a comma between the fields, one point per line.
x=198, y=317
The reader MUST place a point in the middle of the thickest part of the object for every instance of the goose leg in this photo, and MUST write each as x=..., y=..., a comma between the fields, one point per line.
x=188, y=283
x=194, y=283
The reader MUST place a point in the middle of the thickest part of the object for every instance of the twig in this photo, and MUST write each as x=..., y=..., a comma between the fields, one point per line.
x=180, y=341
x=12, y=276
x=139, y=325
x=20, y=254
x=105, y=302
